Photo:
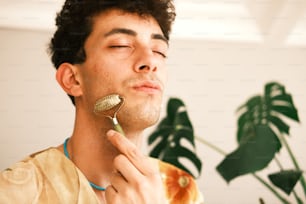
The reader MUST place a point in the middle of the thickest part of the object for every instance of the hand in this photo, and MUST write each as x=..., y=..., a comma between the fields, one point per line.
x=137, y=180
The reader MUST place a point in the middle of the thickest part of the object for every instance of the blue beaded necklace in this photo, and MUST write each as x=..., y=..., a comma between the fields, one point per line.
x=67, y=155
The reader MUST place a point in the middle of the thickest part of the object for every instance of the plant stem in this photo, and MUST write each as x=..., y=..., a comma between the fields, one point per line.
x=219, y=150
x=298, y=200
x=212, y=146
x=302, y=179
x=271, y=189
x=278, y=163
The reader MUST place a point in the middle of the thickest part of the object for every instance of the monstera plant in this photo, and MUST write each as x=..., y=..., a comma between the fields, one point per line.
x=171, y=134
x=262, y=133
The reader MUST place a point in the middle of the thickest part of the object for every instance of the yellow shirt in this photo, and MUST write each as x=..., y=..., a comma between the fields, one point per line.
x=49, y=177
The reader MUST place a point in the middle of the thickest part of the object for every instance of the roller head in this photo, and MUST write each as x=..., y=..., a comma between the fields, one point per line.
x=106, y=103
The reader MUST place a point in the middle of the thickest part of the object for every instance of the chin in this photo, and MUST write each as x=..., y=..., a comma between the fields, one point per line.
x=149, y=120
x=140, y=115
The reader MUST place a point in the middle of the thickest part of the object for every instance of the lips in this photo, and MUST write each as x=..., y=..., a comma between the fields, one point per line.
x=148, y=87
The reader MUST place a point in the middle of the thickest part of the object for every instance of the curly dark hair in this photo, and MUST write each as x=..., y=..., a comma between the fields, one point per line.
x=74, y=24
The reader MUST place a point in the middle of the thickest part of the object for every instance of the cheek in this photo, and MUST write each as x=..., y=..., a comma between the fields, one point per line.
x=166, y=76
x=108, y=79
x=94, y=81
x=104, y=81
x=163, y=75
x=102, y=74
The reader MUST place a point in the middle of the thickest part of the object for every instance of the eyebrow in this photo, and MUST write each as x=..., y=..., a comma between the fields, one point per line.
x=159, y=37
x=134, y=33
x=120, y=31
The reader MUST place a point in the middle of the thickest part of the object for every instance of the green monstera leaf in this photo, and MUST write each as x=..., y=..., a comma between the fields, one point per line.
x=286, y=179
x=267, y=109
x=173, y=139
x=258, y=141
x=253, y=154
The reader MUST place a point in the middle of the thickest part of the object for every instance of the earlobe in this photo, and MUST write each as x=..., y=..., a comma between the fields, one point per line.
x=67, y=77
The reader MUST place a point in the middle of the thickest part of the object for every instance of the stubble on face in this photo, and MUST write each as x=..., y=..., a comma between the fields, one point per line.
x=140, y=116
x=140, y=109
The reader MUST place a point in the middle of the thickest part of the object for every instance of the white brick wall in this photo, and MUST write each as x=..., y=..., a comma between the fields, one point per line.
x=212, y=77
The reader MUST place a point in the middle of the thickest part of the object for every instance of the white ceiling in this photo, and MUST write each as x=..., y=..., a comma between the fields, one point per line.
x=276, y=21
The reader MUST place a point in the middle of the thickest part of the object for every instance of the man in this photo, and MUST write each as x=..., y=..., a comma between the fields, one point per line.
x=102, y=48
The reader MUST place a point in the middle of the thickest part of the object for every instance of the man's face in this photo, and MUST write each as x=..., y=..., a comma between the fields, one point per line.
x=125, y=54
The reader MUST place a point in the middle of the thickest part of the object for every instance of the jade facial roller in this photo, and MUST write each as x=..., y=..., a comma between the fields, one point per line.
x=113, y=101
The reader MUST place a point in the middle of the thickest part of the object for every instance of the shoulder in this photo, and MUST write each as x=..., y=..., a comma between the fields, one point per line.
x=180, y=186
x=19, y=182
x=22, y=182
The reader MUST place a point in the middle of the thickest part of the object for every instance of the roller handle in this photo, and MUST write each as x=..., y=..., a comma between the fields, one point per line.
x=117, y=126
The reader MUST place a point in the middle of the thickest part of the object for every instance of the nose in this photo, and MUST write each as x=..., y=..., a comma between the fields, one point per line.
x=146, y=68
x=145, y=62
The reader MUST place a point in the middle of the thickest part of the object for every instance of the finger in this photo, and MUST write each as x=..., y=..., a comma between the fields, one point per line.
x=127, y=170
x=129, y=149
x=111, y=195
x=123, y=144
x=118, y=181
x=126, y=147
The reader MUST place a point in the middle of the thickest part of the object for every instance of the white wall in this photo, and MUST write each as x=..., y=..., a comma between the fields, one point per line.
x=35, y=113
x=213, y=78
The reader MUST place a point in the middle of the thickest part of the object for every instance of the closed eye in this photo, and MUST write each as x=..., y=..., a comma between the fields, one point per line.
x=161, y=53
x=119, y=46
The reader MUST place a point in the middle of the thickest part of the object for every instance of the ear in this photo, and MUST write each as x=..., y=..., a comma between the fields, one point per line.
x=67, y=77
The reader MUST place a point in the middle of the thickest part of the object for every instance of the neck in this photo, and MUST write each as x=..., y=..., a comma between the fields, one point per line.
x=90, y=150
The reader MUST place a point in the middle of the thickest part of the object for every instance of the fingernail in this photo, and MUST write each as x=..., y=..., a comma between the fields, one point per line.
x=111, y=133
